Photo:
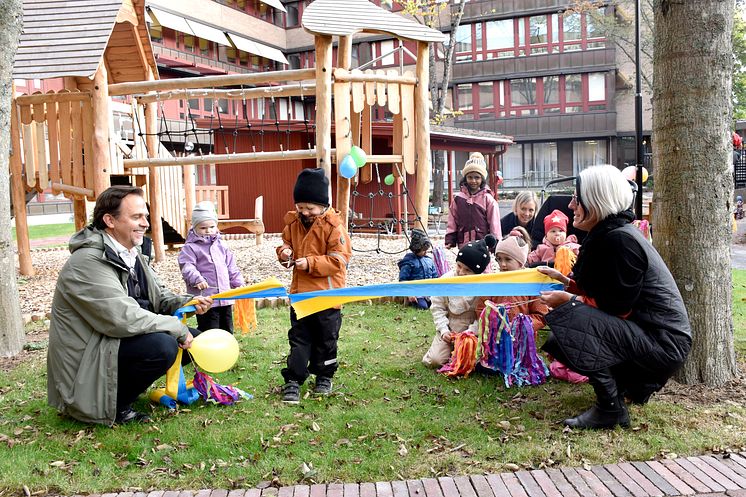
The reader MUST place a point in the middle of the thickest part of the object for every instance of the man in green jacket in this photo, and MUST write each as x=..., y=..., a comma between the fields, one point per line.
x=112, y=332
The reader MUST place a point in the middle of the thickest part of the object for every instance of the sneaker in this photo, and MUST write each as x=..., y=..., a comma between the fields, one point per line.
x=129, y=415
x=323, y=386
x=291, y=392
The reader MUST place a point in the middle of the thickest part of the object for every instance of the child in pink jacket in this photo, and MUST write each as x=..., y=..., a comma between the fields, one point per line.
x=474, y=212
x=555, y=236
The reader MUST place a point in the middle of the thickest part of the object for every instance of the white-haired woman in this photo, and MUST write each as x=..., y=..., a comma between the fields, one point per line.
x=523, y=214
x=622, y=321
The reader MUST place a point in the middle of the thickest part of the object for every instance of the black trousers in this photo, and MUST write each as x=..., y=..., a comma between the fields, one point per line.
x=313, y=345
x=142, y=360
x=217, y=317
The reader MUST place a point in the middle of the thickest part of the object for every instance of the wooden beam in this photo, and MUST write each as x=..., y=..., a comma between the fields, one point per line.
x=422, y=135
x=324, y=104
x=248, y=93
x=72, y=190
x=18, y=191
x=154, y=183
x=190, y=194
x=101, y=146
x=211, y=81
x=80, y=215
x=220, y=158
x=323, y=75
x=385, y=159
x=343, y=120
x=347, y=76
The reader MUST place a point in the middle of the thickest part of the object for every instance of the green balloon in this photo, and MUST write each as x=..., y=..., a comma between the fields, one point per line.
x=389, y=180
x=358, y=155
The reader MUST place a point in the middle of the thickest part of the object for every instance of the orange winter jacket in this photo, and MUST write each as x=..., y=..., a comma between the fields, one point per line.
x=326, y=246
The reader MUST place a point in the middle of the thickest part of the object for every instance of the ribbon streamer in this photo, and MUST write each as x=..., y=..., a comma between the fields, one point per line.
x=512, y=283
x=268, y=288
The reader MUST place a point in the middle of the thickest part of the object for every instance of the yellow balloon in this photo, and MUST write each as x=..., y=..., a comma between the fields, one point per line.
x=630, y=172
x=214, y=350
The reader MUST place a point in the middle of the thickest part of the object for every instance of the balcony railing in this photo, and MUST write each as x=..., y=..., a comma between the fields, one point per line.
x=194, y=58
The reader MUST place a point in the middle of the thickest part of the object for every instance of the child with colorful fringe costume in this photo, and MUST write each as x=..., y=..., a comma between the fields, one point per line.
x=454, y=314
x=509, y=347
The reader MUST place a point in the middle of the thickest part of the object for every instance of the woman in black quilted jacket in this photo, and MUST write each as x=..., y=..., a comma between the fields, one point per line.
x=621, y=321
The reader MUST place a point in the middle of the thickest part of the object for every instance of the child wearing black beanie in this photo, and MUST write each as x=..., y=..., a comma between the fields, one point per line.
x=317, y=248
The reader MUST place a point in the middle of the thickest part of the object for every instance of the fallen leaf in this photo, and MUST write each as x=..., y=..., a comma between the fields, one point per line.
x=315, y=426
x=403, y=450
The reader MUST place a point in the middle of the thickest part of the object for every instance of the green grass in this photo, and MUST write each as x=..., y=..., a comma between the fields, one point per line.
x=390, y=418
x=48, y=230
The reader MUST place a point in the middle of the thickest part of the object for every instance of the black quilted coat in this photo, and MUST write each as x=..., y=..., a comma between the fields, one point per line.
x=625, y=276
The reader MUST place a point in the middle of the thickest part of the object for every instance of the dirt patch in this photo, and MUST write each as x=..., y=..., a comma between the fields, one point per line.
x=734, y=392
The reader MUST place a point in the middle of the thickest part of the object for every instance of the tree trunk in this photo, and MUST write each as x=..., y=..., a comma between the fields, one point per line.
x=694, y=183
x=11, y=326
x=439, y=166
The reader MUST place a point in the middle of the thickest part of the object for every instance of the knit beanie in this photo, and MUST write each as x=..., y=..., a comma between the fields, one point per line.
x=511, y=246
x=475, y=164
x=312, y=186
x=476, y=255
x=555, y=219
x=418, y=241
x=204, y=211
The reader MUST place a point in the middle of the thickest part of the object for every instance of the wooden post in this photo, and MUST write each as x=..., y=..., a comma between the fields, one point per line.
x=259, y=214
x=422, y=125
x=154, y=183
x=190, y=194
x=344, y=124
x=80, y=215
x=101, y=145
x=17, y=190
x=324, y=105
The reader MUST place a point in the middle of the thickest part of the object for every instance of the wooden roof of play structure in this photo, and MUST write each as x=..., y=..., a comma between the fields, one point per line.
x=347, y=17
x=72, y=37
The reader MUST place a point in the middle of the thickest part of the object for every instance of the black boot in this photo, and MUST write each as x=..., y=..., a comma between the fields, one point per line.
x=609, y=410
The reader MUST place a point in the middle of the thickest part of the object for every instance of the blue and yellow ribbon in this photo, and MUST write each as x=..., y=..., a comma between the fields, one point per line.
x=270, y=287
x=524, y=282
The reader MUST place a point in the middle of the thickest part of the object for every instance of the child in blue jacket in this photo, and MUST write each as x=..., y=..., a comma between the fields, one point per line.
x=417, y=265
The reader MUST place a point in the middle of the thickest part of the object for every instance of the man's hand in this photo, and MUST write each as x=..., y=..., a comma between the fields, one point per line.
x=203, y=304
x=187, y=341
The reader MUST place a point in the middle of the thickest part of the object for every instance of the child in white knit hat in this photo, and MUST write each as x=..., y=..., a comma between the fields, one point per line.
x=208, y=267
x=474, y=212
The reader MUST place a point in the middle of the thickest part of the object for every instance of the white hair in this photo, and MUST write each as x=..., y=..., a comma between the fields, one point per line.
x=604, y=191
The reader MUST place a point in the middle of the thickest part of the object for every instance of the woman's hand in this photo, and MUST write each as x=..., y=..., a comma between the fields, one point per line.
x=555, y=298
x=554, y=274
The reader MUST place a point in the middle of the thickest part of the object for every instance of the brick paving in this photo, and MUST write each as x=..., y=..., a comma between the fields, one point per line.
x=704, y=476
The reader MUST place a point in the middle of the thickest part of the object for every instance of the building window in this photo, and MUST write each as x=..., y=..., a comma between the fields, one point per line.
x=188, y=43
x=386, y=48
x=464, y=47
x=523, y=97
x=294, y=61
x=513, y=166
x=589, y=153
x=204, y=47
x=539, y=34
x=544, y=164
x=293, y=19
x=551, y=94
x=156, y=32
x=500, y=38
x=486, y=99
x=464, y=101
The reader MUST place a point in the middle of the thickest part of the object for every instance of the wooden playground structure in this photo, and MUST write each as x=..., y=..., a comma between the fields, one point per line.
x=64, y=140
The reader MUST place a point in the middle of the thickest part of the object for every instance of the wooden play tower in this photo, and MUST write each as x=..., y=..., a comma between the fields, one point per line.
x=62, y=139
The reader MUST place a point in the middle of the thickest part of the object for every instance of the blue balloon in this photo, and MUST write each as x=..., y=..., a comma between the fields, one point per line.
x=348, y=168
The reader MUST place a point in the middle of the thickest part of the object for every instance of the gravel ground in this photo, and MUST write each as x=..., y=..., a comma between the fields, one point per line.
x=256, y=263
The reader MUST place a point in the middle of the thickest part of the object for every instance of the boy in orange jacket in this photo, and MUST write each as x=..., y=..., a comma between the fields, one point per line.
x=316, y=246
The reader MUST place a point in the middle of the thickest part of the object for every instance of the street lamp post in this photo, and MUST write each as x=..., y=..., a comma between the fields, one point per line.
x=638, y=114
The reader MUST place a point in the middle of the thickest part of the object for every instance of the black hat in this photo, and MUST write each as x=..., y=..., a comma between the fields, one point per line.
x=312, y=186
x=476, y=255
x=418, y=241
